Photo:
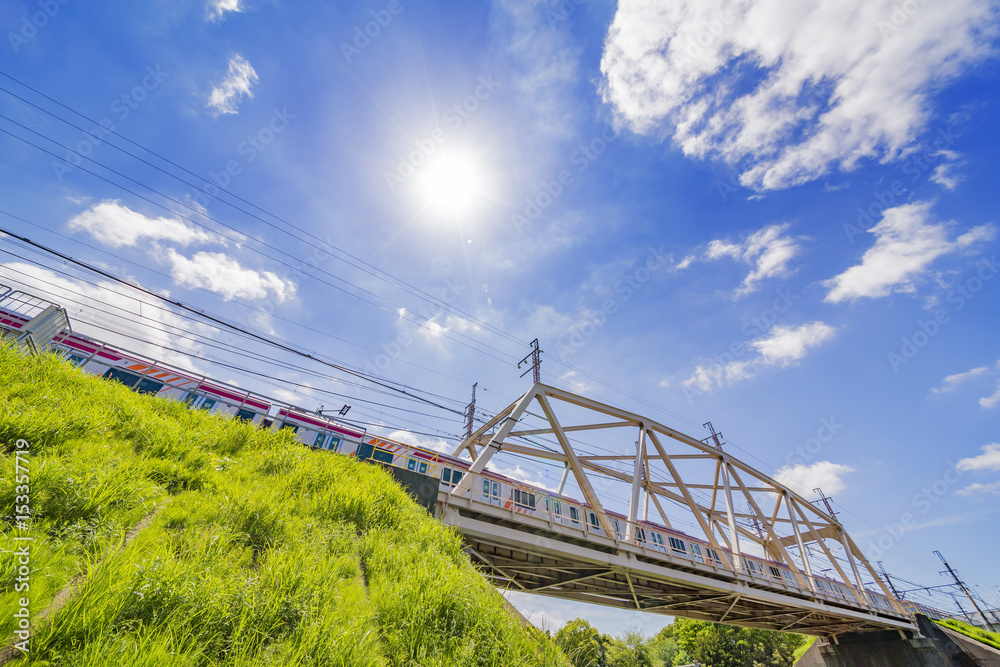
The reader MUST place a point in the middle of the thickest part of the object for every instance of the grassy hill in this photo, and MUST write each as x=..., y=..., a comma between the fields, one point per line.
x=250, y=549
x=985, y=636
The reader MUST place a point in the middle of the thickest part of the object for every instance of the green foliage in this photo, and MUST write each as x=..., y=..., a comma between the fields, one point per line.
x=630, y=650
x=985, y=636
x=259, y=551
x=716, y=645
x=581, y=643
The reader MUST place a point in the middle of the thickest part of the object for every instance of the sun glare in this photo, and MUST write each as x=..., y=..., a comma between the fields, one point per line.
x=451, y=183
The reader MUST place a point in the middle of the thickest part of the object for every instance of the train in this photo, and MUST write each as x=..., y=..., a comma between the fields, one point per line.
x=323, y=433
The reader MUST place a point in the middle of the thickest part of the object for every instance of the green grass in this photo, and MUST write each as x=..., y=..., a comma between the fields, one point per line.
x=984, y=636
x=801, y=651
x=260, y=550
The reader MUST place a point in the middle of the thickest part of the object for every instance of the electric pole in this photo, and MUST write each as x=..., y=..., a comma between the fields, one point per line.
x=885, y=575
x=536, y=362
x=470, y=411
x=961, y=584
x=826, y=501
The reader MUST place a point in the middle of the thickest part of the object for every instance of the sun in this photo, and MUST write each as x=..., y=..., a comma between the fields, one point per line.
x=452, y=182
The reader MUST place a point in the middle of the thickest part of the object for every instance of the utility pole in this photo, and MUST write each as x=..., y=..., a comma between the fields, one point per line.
x=826, y=501
x=715, y=437
x=961, y=584
x=470, y=411
x=885, y=575
x=756, y=522
x=536, y=362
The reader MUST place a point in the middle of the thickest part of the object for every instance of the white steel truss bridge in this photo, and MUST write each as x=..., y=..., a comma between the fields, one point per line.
x=774, y=561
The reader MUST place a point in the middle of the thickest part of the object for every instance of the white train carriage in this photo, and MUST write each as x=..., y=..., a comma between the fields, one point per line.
x=319, y=433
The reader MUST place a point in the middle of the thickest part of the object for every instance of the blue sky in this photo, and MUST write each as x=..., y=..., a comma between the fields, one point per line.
x=780, y=218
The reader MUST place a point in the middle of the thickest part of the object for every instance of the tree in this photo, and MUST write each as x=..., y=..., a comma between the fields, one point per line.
x=730, y=646
x=630, y=650
x=581, y=643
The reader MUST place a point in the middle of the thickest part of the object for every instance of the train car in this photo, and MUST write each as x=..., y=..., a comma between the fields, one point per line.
x=318, y=432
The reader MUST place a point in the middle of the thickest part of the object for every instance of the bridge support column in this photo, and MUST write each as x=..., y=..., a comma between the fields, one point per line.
x=935, y=647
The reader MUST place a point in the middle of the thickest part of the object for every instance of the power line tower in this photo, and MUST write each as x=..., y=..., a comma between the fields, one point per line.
x=961, y=584
x=885, y=575
x=536, y=362
x=826, y=502
x=715, y=437
x=470, y=412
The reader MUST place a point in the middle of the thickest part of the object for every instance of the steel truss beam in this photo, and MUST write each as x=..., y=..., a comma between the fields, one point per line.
x=653, y=473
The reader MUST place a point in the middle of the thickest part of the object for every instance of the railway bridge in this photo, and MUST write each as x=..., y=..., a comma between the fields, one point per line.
x=758, y=567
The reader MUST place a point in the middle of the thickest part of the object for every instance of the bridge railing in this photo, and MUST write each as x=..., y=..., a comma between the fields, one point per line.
x=525, y=504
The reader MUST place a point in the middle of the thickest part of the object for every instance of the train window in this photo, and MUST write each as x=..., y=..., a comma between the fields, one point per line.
x=410, y=464
x=266, y=423
x=318, y=444
x=574, y=514
x=246, y=415
x=126, y=378
x=775, y=572
x=557, y=507
x=641, y=532
x=695, y=549
x=209, y=403
x=423, y=468
x=486, y=487
x=382, y=456
x=594, y=522
x=713, y=554
x=677, y=545
x=657, y=539
x=75, y=359
x=284, y=425
x=190, y=398
x=456, y=476
x=333, y=443
x=446, y=476
x=147, y=386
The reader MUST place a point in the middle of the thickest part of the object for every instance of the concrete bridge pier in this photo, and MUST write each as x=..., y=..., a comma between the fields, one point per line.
x=934, y=647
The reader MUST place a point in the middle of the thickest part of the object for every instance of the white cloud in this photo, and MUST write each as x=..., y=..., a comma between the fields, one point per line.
x=991, y=401
x=978, y=489
x=768, y=251
x=216, y=9
x=116, y=225
x=234, y=87
x=782, y=346
x=988, y=460
x=223, y=274
x=426, y=442
x=945, y=176
x=547, y=62
x=790, y=89
x=110, y=312
x=952, y=382
x=803, y=478
x=906, y=243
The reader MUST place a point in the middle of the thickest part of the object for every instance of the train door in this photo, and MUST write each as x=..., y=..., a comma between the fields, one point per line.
x=491, y=492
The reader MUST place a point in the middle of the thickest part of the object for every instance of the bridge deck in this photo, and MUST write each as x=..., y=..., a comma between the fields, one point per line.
x=537, y=556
